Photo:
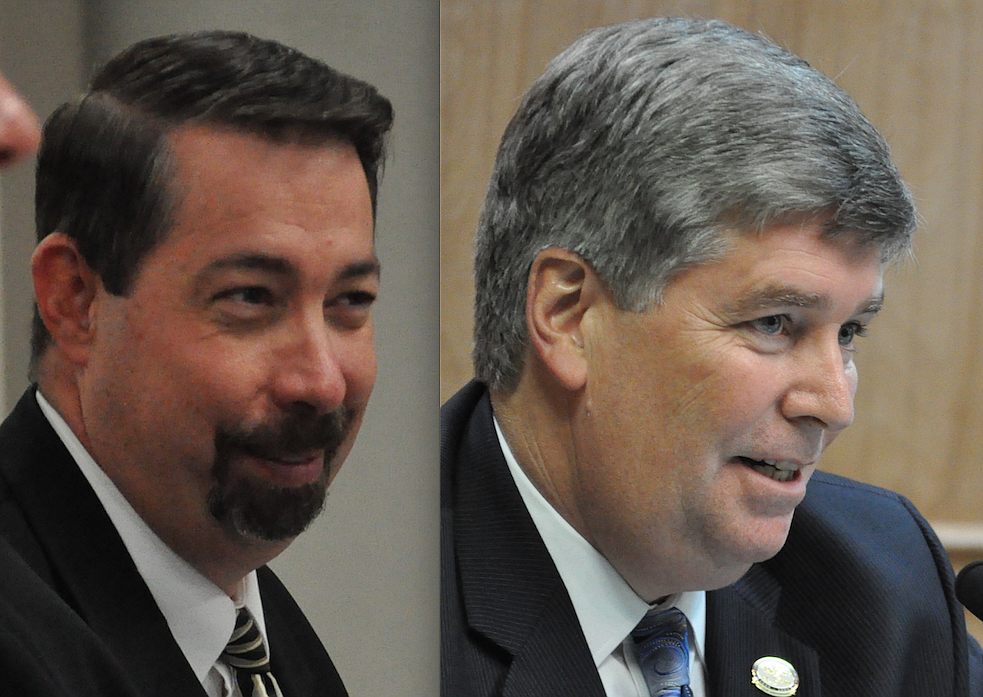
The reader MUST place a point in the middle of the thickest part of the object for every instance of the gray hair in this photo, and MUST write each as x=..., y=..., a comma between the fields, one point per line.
x=644, y=142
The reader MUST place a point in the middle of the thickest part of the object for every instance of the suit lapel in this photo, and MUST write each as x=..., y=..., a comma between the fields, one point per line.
x=298, y=660
x=512, y=592
x=741, y=628
x=514, y=596
x=90, y=566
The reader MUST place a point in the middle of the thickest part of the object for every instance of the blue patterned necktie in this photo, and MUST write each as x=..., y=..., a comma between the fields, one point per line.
x=247, y=655
x=662, y=646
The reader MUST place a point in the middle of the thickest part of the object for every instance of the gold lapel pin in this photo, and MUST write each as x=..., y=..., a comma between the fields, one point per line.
x=774, y=676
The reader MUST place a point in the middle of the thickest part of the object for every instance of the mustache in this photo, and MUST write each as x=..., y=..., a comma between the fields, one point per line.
x=292, y=435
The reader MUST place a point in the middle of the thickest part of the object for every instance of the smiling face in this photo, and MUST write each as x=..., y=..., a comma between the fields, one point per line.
x=223, y=393
x=703, y=418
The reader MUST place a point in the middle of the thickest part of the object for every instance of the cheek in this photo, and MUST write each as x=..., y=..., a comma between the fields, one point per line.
x=718, y=389
x=203, y=386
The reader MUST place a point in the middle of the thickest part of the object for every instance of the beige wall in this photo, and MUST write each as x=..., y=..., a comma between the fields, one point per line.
x=41, y=46
x=915, y=68
x=366, y=573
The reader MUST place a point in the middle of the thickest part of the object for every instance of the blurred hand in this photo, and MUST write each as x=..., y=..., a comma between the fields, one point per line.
x=19, y=130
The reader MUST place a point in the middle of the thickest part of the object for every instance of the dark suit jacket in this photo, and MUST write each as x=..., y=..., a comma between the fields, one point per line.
x=860, y=600
x=65, y=660
x=52, y=518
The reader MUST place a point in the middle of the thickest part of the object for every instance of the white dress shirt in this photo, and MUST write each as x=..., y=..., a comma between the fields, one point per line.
x=200, y=615
x=606, y=606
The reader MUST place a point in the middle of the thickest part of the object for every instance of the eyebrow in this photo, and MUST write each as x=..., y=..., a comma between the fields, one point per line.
x=282, y=267
x=248, y=261
x=778, y=295
x=360, y=269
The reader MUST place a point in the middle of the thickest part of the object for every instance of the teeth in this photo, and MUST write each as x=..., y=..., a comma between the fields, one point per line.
x=779, y=470
x=780, y=464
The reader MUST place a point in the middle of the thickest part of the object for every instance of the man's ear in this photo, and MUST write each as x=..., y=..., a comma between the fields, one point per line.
x=562, y=288
x=65, y=287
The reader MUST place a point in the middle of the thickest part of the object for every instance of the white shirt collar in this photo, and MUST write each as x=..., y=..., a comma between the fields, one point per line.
x=606, y=606
x=200, y=615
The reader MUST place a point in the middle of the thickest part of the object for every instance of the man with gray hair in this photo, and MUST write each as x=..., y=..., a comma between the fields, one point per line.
x=683, y=239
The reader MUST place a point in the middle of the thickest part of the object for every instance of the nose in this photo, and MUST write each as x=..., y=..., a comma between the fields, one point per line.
x=309, y=371
x=823, y=386
x=19, y=132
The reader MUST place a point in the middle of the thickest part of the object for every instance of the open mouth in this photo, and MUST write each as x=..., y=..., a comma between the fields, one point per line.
x=291, y=472
x=778, y=470
x=301, y=459
x=283, y=456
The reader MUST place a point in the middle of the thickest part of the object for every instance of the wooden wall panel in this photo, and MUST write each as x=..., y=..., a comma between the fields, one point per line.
x=915, y=68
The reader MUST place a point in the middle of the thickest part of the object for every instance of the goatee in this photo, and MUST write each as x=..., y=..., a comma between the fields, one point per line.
x=264, y=511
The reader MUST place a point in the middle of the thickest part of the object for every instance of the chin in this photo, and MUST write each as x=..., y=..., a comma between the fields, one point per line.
x=722, y=577
x=765, y=547
x=757, y=541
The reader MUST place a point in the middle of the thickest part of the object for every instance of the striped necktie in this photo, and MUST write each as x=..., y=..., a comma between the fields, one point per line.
x=247, y=655
x=662, y=646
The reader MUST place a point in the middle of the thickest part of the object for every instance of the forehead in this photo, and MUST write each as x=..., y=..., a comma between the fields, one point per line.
x=806, y=240
x=235, y=189
x=797, y=257
x=234, y=174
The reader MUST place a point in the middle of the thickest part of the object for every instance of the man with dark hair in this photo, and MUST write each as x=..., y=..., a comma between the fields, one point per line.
x=683, y=239
x=203, y=353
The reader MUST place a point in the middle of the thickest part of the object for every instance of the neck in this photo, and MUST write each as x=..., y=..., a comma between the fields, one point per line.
x=223, y=557
x=536, y=424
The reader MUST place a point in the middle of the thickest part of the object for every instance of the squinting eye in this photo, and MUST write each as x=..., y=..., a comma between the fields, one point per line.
x=351, y=309
x=250, y=295
x=772, y=325
x=358, y=298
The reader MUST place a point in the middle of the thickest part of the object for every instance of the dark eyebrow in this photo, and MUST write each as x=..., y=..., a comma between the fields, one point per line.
x=250, y=261
x=282, y=267
x=360, y=269
x=778, y=295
